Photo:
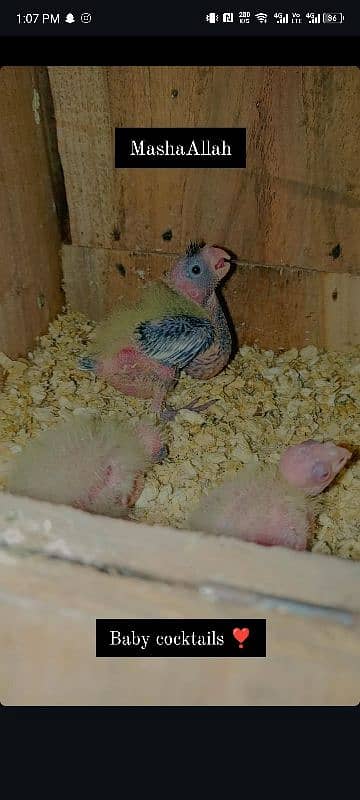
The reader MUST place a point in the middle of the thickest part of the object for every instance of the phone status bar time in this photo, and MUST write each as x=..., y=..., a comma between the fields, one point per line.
x=53, y=17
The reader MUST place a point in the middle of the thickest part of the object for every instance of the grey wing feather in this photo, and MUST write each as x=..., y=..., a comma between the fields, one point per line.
x=175, y=341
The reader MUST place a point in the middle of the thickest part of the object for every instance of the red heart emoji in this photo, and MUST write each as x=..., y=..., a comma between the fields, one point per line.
x=240, y=634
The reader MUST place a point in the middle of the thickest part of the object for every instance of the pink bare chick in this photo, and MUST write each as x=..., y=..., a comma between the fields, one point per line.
x=91, y=463
x=272, y=507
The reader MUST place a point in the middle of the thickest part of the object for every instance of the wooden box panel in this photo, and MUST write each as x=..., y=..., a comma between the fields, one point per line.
x=296, y=201
x=290, y=216
x=30, y=265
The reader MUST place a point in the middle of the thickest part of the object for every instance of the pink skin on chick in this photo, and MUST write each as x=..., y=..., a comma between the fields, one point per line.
x=151, y=439
x=270, y=508
x=312, y=466
x=113, y=475
x=199, y=287
x=137, y=375
x=108, y=489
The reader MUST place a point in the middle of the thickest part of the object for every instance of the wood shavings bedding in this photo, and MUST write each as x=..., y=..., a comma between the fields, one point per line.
x=264, y=402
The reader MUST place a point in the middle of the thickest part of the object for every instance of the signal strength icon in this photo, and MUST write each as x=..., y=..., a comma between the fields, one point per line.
x=313, y=18
x=261, y=16
x=282, y=18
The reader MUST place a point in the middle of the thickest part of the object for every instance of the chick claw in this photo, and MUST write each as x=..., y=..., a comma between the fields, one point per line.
x=168, y=413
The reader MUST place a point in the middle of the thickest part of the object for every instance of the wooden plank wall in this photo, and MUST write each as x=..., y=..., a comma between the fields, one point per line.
x=291, y=217
x=60, y=569
x=30, y=263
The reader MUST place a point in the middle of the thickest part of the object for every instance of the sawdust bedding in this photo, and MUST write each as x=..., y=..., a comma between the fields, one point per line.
x=264, y=402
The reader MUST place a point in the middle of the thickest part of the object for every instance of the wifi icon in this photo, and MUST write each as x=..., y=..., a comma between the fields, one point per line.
x=261, y=17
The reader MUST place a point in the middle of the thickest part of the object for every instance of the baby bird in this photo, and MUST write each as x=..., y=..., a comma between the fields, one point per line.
x=177, y=325
x=272, y=507
x=94, y=464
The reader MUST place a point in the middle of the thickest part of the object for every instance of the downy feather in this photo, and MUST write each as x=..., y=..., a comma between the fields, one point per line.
x=157, y=301
x=240, y=506
x=62, y=462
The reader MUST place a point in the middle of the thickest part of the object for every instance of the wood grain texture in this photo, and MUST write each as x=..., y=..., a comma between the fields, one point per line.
x=273, y=307
x=296, y=201
x=95, y=278
x=30, y=267
x=47, y=625
x=176, y=556
x=107, y=568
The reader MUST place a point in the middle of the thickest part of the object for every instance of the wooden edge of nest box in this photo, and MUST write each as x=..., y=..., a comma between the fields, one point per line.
x=60, y=569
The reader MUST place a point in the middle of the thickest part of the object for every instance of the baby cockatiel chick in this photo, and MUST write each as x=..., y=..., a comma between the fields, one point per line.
x=91, y=463
x=272, y=507
x=177, y=325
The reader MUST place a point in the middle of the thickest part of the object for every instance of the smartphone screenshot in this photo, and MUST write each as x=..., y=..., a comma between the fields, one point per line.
x=180, y=357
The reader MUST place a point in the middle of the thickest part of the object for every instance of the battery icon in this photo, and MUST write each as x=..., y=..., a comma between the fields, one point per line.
x=333, y=16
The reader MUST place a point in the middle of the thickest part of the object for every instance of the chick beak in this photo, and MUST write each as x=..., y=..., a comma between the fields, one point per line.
x=218, y=258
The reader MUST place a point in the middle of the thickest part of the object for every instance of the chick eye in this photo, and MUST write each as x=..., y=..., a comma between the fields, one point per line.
x=196, y=269
x=320, y=471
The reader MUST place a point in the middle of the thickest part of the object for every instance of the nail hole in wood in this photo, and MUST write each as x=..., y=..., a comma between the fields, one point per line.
x=336, y=251
x=41, y=301
x=115, y=233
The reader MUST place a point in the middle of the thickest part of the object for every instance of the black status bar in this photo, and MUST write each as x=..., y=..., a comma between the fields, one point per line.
x=212, y=21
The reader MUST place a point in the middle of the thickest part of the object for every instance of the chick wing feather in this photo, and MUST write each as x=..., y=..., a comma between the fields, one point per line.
x=175, y=341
